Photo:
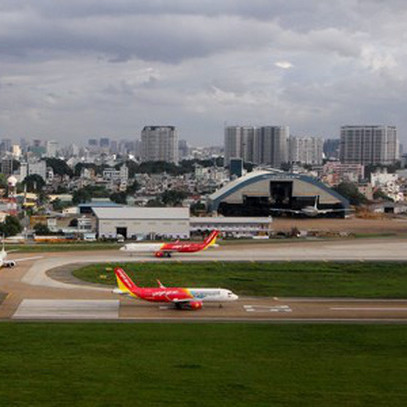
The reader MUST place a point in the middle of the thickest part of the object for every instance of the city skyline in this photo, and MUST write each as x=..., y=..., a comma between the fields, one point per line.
x=87, y=69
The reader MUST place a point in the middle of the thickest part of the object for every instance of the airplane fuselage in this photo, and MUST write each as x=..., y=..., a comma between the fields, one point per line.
x=172, y=294
x=182, y=298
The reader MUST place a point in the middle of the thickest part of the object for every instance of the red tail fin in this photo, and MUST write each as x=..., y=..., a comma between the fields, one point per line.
x=124, y=281
x=211, y=238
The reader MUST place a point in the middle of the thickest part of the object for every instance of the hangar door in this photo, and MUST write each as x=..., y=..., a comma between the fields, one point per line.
x=121, y=231
x=281, y=194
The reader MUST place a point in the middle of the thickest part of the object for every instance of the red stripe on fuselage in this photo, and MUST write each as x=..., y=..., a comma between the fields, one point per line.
x=189, y=247
x=163, y=294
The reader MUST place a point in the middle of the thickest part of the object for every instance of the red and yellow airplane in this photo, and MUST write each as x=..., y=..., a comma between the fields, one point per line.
x=182, y=298
x=166, y=249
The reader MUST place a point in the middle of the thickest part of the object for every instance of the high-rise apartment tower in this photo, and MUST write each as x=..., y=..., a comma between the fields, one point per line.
x=369, y=145
x=159, y=143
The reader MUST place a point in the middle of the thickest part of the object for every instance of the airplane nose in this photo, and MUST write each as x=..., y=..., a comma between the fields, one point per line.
x=235, y=297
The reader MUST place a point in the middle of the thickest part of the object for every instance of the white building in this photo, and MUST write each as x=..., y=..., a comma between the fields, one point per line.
x=137, y=222
x=52, y=148
x=159, y=143
x=305, y=150
x=112, y=174
x=39, y=168
x=233, y=226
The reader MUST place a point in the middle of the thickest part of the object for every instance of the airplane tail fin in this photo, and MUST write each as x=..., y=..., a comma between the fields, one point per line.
x=211, y=239
x=124, y=282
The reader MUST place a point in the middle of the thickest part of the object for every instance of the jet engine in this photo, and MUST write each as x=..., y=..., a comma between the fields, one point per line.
x=191, y=305
x=10, y=263
x=162, y=254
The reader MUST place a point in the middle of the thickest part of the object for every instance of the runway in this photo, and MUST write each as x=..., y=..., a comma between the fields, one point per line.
x=31, y=294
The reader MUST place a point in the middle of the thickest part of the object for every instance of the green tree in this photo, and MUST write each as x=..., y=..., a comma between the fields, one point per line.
x=58, y=205
x=133, y=188
x=60, y=167
x=11, y=226
x=41, y=229
x=197, y=208
x=350, y=191
x=78, y=168
x=34, y=182
x=3, y=181
x=119, y=197
x=82, y=195
x=154, y=203
x=86, y=194
x=380, y=195
x=173, y=197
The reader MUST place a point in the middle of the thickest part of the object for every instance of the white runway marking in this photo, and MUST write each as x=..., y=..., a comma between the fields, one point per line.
x=67, y=309
x=266, y=308
x=368, y=309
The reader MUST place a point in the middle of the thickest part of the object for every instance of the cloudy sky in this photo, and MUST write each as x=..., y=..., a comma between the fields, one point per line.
x=70, y=70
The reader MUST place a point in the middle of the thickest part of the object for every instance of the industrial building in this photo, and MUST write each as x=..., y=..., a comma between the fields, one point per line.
x=141, y=223
x=232, y=226
x=265, y=192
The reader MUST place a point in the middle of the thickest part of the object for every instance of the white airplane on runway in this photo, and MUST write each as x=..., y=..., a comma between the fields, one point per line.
x=12, y=263
x=310, y=210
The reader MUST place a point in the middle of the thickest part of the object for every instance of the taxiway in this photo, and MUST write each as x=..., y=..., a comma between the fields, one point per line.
x=31, y=293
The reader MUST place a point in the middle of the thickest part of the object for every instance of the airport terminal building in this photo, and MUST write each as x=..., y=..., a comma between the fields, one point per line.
x=262, y=193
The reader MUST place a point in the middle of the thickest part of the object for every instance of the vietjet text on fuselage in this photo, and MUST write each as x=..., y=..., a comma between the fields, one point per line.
x=182, y=298
x=166, y=249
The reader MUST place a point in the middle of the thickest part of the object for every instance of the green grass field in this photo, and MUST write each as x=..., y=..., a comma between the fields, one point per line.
x=202, y=365
x=364, y=280
x=62, y=247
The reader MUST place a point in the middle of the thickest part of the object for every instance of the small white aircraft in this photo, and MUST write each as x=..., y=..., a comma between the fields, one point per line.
x=12, y=263
x=310, y=211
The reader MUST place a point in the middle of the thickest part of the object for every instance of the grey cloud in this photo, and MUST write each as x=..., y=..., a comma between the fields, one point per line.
x=88, y=67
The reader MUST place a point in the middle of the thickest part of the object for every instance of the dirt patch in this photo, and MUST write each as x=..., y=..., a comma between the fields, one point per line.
x=351, y=225
x=3, y=296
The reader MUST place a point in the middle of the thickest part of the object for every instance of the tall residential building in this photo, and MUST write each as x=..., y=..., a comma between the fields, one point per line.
x=159, y=143
x=183, y=149
x=52, y=148
x=239, y=142
x=7, y=166
x=104, y=142
x=369, y=145
x=305, y=150
x=39, y=168
x=270, y=145
x=260, y=145
x=5, y=145
x=23, y=170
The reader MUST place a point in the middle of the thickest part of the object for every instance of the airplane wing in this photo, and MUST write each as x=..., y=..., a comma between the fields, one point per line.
x=284, y=210
x=27, y=259
x=333, y=210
